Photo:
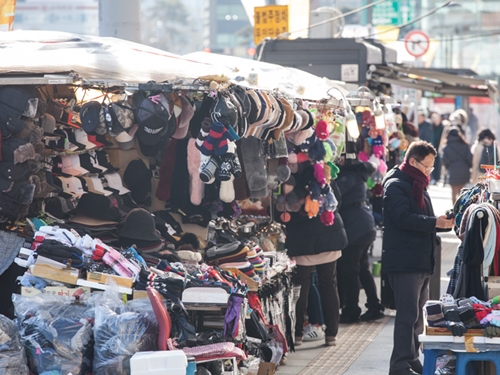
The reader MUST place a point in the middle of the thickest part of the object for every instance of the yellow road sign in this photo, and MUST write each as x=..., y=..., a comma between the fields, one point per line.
x=7, y=10
x=270, y=21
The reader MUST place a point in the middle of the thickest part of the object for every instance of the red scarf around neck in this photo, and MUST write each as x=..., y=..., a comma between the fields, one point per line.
x=420, y=182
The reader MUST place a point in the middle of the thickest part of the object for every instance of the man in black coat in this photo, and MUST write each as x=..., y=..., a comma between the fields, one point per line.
x=409, y=244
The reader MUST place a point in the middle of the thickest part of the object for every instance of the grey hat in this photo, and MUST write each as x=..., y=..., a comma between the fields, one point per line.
x=10, y=244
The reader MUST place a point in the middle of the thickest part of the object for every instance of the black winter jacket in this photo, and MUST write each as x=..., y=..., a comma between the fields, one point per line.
x=457, y=159
x=306, y=236
x=409, y=240
x=357, y=215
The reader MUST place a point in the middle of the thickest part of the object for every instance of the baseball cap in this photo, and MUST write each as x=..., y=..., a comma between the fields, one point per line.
x=67, y=166
x=184, y=118
x=87, y=164
x=93, y=139
x=75, y=162
x=152, y=117
x=73, y=140
x=115, y=182
x=90, y=186
x=102, y=158
x=125, y=139
x=97, y=183
x=82, y=138
x=71, y=185
x=95, y=161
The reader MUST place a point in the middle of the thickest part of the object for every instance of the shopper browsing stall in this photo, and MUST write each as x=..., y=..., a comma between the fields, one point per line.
x=409, y=245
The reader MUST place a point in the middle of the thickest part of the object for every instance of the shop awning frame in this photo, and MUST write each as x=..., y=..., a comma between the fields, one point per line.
x=435, y=80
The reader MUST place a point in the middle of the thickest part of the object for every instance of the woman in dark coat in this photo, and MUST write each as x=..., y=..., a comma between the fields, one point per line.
x=457, y=159
x=315, y=245
x=354, y=267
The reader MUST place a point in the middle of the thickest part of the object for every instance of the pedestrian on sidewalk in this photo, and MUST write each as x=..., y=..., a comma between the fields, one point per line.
x=457, y=159
x=359, y=224
x=314, y=245
x=437, y=131
x=409, y=244
x=482, y=153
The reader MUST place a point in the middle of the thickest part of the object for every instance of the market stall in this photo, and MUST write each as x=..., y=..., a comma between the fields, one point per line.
x=130, y=176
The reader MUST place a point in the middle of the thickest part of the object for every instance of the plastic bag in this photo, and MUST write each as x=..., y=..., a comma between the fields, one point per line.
x=119, y=335
x=12, y=356
x=445, y=365
x=56, y=334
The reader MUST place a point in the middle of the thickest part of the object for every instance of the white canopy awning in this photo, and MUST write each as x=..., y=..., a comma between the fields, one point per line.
x=258, y=74
x=95, y=58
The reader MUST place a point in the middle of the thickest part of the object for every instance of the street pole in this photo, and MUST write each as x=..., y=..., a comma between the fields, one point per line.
x=120, y=19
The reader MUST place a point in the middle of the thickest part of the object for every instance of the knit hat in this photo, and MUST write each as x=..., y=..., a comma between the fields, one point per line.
x=137, y=177
x=139, y=225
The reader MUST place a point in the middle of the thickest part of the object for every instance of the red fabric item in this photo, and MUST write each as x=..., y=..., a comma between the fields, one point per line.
x=420, y=182
x=480, y=310
x=163, y=317
x=166, y=171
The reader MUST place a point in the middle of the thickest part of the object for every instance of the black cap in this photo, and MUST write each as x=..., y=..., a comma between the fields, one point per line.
x=87, y=164
x=102, y=159
x=98, y=207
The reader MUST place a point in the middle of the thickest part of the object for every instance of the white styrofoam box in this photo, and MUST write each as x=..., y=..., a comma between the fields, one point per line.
x=171, y=362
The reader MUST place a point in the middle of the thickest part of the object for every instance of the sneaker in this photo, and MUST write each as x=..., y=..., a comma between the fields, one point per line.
x=330, y=341
x=372, y=315
x=313, y=332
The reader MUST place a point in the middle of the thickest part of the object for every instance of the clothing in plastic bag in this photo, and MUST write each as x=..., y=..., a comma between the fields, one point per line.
x=12, y=356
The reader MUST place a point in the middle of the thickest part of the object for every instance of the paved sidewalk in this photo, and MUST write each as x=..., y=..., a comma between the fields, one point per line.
x=365, y=348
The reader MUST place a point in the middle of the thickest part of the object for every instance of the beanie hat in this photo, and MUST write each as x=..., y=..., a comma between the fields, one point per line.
x=139, y=225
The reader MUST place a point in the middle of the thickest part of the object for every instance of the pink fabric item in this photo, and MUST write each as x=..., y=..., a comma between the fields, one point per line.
x=214, y=351
x=120, y=264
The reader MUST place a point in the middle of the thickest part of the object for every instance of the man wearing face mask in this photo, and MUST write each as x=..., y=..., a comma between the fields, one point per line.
x=408, y=250
x=482, y=153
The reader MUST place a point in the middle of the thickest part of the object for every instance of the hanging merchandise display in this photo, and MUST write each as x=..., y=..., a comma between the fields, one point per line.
x=173, y=199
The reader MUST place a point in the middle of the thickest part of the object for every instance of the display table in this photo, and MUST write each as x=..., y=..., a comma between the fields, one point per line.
x=467, y=348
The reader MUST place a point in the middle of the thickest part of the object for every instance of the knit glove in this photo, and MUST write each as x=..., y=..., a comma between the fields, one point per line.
x=311, y=207
x=209, y=170
x=331, y=202
x=315, y=190
x=456, y=328
x=491, y=331
x=229, y=164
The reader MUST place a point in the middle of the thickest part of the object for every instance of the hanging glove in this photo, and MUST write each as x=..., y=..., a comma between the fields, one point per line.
x=311, y=207
x=314, y=189
x=319, y=173
x=491, y=331
x=330, y=200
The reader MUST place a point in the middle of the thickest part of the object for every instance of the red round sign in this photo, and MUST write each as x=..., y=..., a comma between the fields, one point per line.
x=417, y=43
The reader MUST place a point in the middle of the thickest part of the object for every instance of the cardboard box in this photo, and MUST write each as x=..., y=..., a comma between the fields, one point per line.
x=493, y=287
x=443, y=331
x=253, y=286
x=266, y=368
x=103, y=278
x=64, y=275
x=55, y=290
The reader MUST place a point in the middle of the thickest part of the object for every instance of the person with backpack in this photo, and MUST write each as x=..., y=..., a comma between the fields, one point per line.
x=457, y=159
x=482, y=153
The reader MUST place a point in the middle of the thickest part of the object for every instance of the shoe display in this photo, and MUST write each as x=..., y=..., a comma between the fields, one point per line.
x=330, y=341
x=372, y=315
x=313, y=332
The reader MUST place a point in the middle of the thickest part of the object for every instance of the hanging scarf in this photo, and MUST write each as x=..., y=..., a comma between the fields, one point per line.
x=420, y=182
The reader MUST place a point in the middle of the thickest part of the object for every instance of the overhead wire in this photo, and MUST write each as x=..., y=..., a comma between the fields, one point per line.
x=333, y=18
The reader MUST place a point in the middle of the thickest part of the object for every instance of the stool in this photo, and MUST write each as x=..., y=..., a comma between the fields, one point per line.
x=465, y=357
x=430, y=358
